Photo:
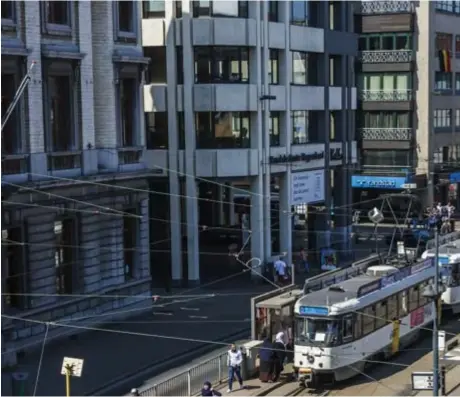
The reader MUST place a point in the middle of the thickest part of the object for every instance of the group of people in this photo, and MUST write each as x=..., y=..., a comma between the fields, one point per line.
x=442, y=213
x=272, y=356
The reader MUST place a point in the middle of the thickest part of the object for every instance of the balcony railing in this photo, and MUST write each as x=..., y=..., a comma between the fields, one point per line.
x=386, y=134
x=385, y=7
x=15, y=164
x=390, y=56
x=58, y=161
x=385, y=96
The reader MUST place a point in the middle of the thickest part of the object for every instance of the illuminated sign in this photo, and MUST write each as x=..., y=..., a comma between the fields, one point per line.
x=314, y=310
x=377, y=182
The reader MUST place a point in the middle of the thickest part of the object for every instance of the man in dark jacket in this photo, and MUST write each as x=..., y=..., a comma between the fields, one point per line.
x=207, y=390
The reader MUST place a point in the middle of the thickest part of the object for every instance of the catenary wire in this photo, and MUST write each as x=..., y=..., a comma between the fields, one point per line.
x=40, y=362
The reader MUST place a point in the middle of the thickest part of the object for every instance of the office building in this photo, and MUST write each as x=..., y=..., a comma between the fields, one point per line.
x=253, y=95
x=74, y=192
x=409, y=100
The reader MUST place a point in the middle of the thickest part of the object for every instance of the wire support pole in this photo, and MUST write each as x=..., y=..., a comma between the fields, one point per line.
x=436, y=372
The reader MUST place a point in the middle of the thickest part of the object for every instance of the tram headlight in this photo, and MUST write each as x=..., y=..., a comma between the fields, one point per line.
x=311, y=359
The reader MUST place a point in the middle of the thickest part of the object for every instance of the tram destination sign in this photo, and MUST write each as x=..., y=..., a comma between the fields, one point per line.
x=422, y=380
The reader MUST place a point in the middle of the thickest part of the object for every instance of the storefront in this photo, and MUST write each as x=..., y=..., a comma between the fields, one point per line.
x=454, y=179
x=367, y=191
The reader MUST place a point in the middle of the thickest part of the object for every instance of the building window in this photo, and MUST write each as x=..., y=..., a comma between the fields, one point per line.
x=386, y=82
x=227, y=8
x=273, y=69
x=385, y=42
x=273, y=11
x=125, y=20
x=153, y=9
x=14, y=269
x=128, y=91
x=299, y=12
x=299, y=119
x=386, y=158
x=457, y=117
x=8, y=14
x=452, y=7
x=222, y=130
x=12, y=132
x=384, y=120
x=442, y=118
x=444, y=42
x=299, y=68
x=57, y=17
x=443, y=81
x=457, y=83
x=65, y=255
x=60, y=118
x=181, y=130
x=130, y=235
x=156, y=127
x=274, y=128
x=335, y=15
x=179, y=65
x=221, y=65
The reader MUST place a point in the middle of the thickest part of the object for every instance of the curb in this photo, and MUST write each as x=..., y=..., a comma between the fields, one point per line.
x=122, y=384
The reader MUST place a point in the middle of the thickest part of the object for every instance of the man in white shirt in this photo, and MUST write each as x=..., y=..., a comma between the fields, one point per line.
x=281, y=271
x=234, y=360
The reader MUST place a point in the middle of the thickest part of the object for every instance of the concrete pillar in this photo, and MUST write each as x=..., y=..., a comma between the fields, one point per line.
x=257, y=221
x=220, y=204
x=342, y=219
x=285, y=222
x=191, y=189
x=231, y=205
x=173, y=161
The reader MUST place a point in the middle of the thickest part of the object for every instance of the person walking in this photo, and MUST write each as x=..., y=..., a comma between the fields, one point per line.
x=234, y=360
x=207, y=390
x=266, y=361
x=279, y=354
x=304, y=261
x=281, y=272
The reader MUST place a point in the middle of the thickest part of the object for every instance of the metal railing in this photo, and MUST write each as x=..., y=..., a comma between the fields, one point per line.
x=385, y=7
x=386, y=56
x=385, y=96
x=190, y=382
x=386, y=134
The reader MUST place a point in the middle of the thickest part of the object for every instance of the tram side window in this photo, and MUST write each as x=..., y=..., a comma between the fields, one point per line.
x=392, y=308
x=368, y=318
x=381, y=314
x=422, y=301
x=358, y=325
x=413, y=298
x=403, y=304
x=347, y=329
x=455, y=280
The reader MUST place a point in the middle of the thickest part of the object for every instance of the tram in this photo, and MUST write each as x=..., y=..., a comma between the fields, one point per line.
x=449, y=262
x=359, y=315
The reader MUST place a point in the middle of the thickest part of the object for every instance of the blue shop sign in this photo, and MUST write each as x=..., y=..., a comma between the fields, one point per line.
x=454, y=177
x=377, y=182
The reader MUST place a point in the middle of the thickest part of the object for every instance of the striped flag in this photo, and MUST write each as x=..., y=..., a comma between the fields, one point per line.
x=444, y=61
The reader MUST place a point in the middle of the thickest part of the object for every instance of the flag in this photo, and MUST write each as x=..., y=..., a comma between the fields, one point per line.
x=444, y=61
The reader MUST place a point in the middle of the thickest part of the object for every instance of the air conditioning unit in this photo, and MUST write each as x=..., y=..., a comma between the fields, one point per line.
x=380, y=271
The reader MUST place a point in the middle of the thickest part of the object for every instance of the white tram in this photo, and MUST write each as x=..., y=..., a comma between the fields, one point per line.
x=449, y=262
x=363, y=316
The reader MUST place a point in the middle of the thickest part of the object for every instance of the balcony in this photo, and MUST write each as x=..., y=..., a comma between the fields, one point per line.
x=385, y=7
x=386, y=134
x=390, y=56
x=385, y=95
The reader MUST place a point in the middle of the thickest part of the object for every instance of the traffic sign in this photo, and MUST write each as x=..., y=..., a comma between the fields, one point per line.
x=75, y=365
x=442, y=340
x=422, y=380
x=409, y=186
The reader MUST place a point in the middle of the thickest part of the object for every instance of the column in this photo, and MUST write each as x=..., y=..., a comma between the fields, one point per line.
x=231, y=205
x=285, y=222
x=191, y=189
x=220, y=205
x=341, y=209
x=257, y=224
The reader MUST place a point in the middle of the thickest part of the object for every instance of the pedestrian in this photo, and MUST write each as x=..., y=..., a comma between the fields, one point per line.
x=304, y=260
x=281, y=271
x=266, y=361
x=279, y=354
x=234, y=360
x=207, y=390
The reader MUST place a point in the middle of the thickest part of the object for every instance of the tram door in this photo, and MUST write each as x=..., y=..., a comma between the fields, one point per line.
x=395, y=337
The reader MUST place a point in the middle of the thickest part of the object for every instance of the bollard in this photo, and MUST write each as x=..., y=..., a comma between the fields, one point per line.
x=244, y=364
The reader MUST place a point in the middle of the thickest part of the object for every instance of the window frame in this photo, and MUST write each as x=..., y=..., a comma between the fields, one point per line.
x=75, y=253
x=444, y=117
x=439, y=39
x=448, y=7
x=56, y=29
x=304, y=57
x=133, y=252
x=368, y=36
x=120, y=35
x=11, y=22
x=153, y=14
x=306, y=15
x=380, y=156
x=53, y=68
x=438, y=78
x=150, y=132
x=273, y=59
x=274, y=121
x=382, y=118
x=243, y=10
x=128, y=72
x=306, y=116
x=457, y=83
x=273, y=10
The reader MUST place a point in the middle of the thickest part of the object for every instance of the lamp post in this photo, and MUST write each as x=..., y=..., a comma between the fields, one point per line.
x=433, y=292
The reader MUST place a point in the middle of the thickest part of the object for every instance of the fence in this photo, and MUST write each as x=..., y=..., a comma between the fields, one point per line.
x=190, y=382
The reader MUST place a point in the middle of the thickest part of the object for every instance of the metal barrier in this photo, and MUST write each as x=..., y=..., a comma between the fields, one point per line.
x=190, y=382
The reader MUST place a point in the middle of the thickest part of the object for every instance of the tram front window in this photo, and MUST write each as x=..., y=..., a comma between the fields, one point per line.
x=316, y=331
